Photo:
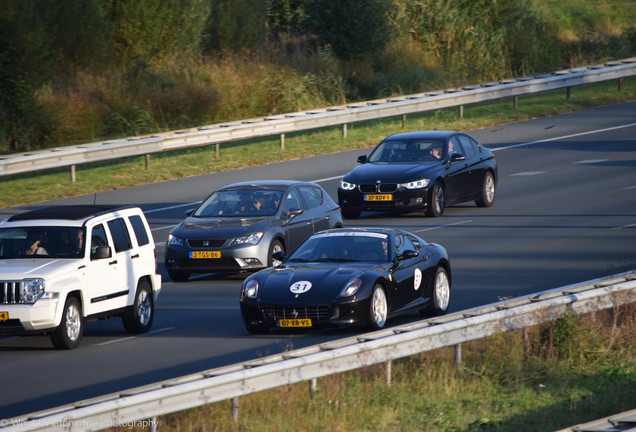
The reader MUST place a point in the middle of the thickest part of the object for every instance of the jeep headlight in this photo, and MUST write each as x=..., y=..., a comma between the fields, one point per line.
x=32, y=290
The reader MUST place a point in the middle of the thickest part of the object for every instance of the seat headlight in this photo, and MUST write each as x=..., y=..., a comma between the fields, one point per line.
x=351, y=288
x=250, y=239
x=416, y=184
x=32, y=290
x=346, y=185
x=173, y=240
x=250, y=289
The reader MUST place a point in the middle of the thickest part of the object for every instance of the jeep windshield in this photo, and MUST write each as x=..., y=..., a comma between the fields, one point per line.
x=41, y=242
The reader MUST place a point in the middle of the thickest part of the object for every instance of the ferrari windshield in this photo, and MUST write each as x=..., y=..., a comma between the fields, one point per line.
x=391, y=151
x=240, y=203
x=345, y=246
x=41, y=242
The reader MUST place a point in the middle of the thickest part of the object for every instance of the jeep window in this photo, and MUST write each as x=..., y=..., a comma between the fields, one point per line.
x=121, y=238
x=140, y=230
x=39, y=242
x=98, y=238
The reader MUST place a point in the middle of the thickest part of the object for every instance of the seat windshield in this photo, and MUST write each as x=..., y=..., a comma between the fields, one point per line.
x=407, y=151
x=240, y=203
x=344, y=247
x=41, y=242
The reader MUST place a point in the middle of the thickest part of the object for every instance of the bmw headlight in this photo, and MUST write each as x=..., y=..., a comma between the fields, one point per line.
x=250, y=239
x=173, y=240
x=347, y=186
x=250, y=289
x=351, y=288
x=416, y=184
x=32, y=290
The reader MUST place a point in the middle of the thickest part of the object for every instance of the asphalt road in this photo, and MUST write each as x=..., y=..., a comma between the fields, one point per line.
x=565, y=212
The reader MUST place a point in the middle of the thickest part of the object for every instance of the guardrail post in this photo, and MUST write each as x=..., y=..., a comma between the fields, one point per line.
x=568, y=90
x=388, y=367
x=235, y=408
x=73, y=173
x=515, y=101
x=344, y=130
x=152, y=424
x=282, y=141
x=403, y=121
x=217, y=150
x=147, y=162
x=620, y=84
x=461, y=111
x=458, y=355
x=313, y=387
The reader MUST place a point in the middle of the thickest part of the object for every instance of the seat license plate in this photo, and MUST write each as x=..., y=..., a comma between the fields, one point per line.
x=294, y=322
x=4, y=316
x=205, y=254
x=378, y=197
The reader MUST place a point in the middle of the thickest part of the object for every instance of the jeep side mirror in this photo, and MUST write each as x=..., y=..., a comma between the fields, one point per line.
x=101, y=252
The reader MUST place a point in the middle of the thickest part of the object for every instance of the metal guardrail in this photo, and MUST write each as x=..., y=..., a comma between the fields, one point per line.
x=624, y=422
x=130, y=406
x=11, y=164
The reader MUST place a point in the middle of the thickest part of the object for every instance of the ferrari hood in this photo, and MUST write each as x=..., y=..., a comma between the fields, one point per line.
x=388, y=173
x=309, y=283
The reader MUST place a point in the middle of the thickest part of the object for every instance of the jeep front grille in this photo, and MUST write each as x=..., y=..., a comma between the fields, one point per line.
x=10, y=292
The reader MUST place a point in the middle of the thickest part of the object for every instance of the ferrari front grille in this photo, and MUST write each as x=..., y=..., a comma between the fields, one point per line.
x=317, y=313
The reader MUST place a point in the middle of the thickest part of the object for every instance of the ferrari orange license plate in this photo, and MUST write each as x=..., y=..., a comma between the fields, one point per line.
x=4, y=316
x=205, y=254
x=295, y=322
x=378, y=197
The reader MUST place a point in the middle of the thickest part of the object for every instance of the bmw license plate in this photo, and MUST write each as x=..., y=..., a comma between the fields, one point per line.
x=295, y=322
x=4, y=316
x=205, y=254
x=378, y=197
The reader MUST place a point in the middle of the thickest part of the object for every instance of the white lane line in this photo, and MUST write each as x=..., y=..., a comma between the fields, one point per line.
x=626, y=226
x=591, y=161
x=528, y=173
x=565, y=136
x=630, y=187
x=327, y=179
x=173, y=207
x=134, y=337
x=441, y=226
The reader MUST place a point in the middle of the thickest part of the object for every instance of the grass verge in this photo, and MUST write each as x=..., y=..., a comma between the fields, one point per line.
x=545, y=378
x=53, y=184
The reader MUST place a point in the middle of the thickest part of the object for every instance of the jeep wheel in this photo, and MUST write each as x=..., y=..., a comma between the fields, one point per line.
x=69, y=333
x=138, y=318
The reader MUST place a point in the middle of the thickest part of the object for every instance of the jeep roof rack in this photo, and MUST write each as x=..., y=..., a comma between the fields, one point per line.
x=65, y=212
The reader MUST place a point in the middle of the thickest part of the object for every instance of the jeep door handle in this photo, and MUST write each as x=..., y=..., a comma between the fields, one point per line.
x=112, y=262
x=135, y=256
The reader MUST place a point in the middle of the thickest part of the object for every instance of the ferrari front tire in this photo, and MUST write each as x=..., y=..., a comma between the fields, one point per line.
x=379, y=308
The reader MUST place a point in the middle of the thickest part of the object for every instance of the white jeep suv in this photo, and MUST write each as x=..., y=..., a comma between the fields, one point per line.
x=63, y=266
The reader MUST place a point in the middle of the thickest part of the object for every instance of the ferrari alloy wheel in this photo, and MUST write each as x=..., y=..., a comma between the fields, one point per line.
x=69, y=333
x=437, y=204
x=441, y=293
x=488, y=191
x=379, y=308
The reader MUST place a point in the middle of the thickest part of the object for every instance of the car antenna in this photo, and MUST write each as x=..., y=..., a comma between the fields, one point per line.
x=94, y=198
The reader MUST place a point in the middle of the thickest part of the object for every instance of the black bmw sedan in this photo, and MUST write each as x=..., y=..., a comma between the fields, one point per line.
x=420, y=171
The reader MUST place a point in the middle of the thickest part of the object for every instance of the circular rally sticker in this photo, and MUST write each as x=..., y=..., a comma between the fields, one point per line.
x=300, y=287
x=417, y=280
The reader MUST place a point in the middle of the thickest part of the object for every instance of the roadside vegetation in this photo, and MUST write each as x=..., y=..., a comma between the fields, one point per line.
x=546, y=378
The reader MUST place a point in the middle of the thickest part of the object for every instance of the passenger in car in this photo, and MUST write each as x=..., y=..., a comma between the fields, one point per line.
x=35, y=247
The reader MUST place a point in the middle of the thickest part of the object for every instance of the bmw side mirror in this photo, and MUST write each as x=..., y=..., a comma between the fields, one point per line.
x=456, y=157
x=101, y=252
x=362, y=159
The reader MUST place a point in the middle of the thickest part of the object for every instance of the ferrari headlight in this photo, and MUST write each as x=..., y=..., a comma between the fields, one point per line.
x=250, y=239
x=32, y=290
x=173, y=240
x=250, y=289
x=351, y=288
x=347, y=186
x=416, y=184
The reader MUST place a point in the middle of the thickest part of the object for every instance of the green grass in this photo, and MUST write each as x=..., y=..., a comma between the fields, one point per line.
x=574, y=370
x=96, y=177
